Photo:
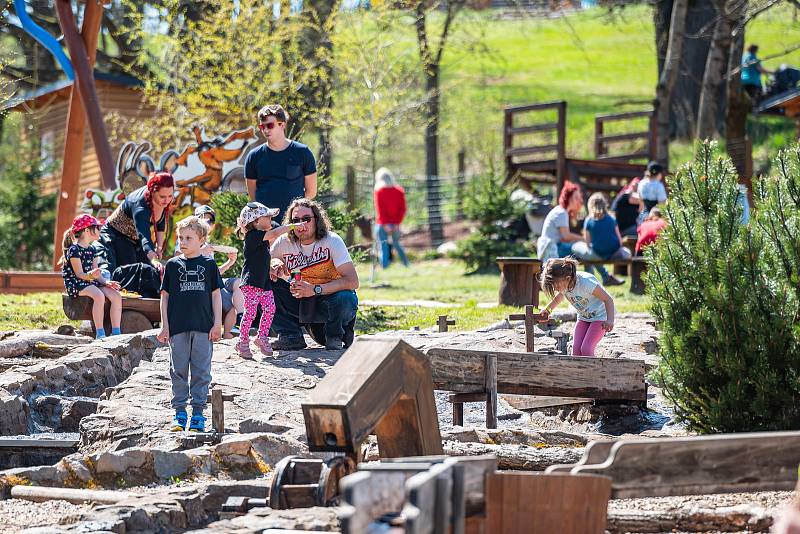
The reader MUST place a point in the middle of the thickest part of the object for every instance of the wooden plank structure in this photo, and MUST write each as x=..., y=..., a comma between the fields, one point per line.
x=535, y=148
x=478, y=376
x=519, y=280
x=427, y=494
x=722, y=463
x=534, y=503
x=138, y=314
x=377, y=386
x=22, y=282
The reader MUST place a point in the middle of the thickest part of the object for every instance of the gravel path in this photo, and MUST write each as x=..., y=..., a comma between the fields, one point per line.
x=769, y=500
x=17, y=514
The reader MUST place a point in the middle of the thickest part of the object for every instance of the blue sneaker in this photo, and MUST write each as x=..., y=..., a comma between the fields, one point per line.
x=198, y=423
x=179, y=422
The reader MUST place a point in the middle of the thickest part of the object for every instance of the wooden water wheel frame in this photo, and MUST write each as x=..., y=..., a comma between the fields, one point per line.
x=316, y=484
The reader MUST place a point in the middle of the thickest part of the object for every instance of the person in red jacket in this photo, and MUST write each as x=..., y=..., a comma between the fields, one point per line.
x=648, y=231
x=390, y=208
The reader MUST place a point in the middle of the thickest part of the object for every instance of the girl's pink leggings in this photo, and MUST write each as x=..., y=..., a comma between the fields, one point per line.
x=253, y=296
x=586, y=337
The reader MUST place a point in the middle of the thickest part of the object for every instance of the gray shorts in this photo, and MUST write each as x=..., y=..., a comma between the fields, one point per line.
x=226, y=291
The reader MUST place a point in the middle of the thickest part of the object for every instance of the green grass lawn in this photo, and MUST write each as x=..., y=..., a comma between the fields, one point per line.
x=599, y=61
x=437, y=280
x=445, y=281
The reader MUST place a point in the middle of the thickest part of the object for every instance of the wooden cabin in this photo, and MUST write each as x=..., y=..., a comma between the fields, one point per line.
x=47, y=108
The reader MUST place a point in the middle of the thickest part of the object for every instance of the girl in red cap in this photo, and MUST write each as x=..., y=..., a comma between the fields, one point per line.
x=82, y=275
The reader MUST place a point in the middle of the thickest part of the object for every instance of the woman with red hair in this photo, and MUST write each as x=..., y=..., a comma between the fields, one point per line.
x=556, y=239
x=131, y=252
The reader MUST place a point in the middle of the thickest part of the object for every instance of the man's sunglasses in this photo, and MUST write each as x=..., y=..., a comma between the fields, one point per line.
x=307, y=218
x=268, y=125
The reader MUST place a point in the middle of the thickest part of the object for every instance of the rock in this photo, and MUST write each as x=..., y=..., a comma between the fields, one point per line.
x=170, y=464
x=275, y=423
x=14, y=415
x=120, y=462
x=214, y=495
x=65, y=330
x=260, y=519
x=73, y=410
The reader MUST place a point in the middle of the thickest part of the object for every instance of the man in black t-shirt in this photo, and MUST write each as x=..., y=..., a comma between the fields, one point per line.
x=191, y=320
x=280, y=170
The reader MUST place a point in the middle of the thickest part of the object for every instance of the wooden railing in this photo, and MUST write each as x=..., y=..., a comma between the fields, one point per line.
x=603, y=141
x=517, y=153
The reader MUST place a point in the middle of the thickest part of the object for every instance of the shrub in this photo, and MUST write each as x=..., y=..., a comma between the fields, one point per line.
x=488, y=201
x=726, y=298
x=27, y=217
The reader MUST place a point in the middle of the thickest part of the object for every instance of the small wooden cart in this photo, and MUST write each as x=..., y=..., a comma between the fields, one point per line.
x=138, y=314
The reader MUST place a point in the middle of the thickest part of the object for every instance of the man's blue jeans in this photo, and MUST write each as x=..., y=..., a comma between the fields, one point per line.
x=335, y=310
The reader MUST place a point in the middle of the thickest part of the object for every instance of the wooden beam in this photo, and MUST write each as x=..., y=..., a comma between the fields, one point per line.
x=463, y=370
x=380, y=386
x=75, y=496
x=722, y=463
x=76, y=125
x=531, y=318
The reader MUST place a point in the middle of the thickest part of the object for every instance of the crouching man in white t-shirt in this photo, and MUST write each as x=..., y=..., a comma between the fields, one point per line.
x=324, y=297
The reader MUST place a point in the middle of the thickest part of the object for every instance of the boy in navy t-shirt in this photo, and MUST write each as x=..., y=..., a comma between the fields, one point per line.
x=191, y=320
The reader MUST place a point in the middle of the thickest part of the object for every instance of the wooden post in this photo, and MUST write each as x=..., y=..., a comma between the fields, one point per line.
x=217, y=401
x=598, y=133
x=458, y=414
x=508, y=142
x=217, y=411
x=74, y=133
x=444, y=322
x=350, y=190
x=461, y=181
x=561, y=169
x=491, y=390
x=530, y=318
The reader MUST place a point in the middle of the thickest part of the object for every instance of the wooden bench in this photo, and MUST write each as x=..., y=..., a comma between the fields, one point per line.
x=138, y=314
x=478, y=376
x=722, y=463
x=21, y=282
x=636, y=265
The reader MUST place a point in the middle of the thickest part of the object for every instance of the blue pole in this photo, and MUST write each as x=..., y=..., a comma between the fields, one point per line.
x=46, y=40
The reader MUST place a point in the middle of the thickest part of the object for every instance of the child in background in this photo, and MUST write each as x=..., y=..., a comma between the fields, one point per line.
x=561, y=279
x=649, y=230
x=191, y=319
x=601, y=239
x=601, y=231
x=254, y=225
x=82, y=276
x=651, y=190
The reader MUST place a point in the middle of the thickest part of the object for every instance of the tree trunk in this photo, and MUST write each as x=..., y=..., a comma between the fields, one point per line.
x=432, y=154
x=738, y=104
x=669, y=74
x=712, y=91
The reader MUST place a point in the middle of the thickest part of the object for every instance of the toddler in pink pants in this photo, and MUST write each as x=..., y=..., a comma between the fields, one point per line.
x=561, y=280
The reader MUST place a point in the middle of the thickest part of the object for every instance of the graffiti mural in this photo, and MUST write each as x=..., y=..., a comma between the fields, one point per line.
x=200, y=169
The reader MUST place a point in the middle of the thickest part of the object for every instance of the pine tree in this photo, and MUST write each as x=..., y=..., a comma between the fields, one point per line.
x=725, y=296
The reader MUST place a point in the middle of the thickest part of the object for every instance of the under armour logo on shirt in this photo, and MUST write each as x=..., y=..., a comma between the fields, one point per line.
x=199, y=273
